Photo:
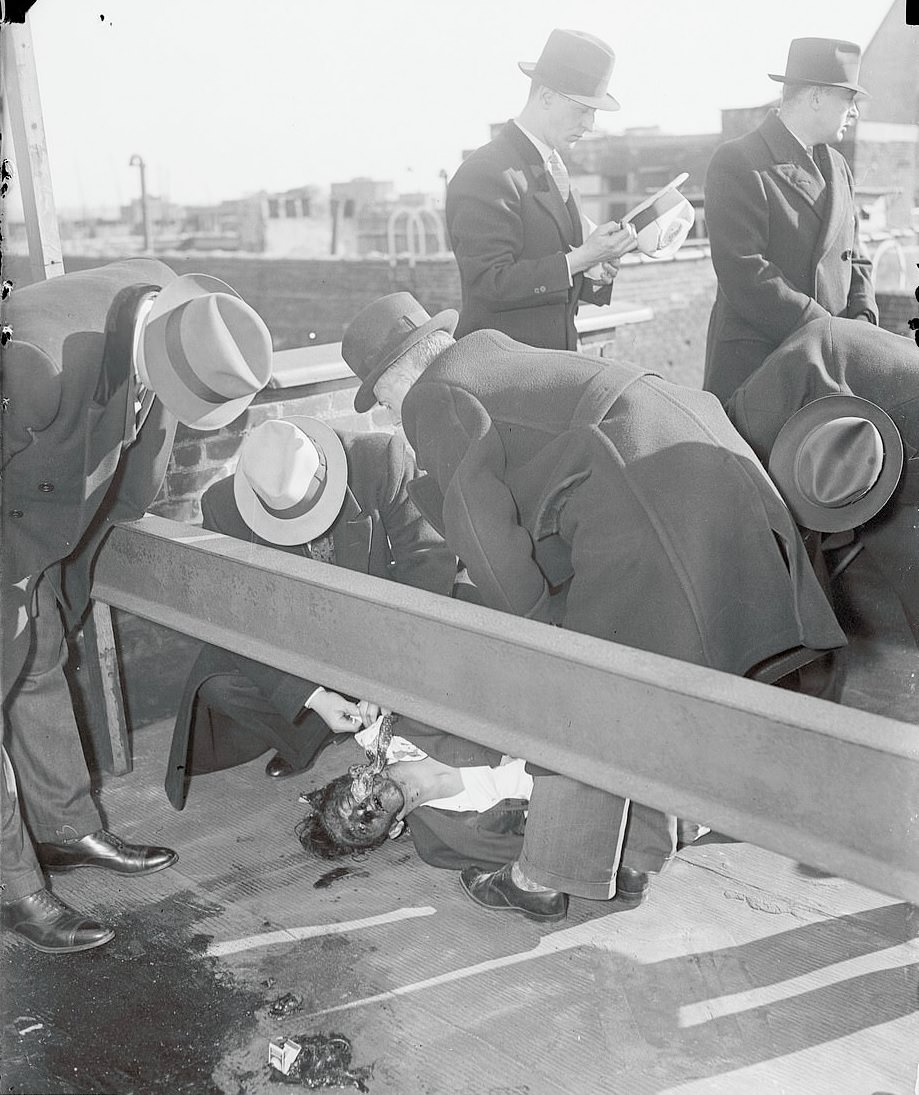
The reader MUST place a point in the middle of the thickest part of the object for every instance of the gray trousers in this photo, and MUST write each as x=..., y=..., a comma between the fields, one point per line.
x=43, y=739
x=577, y=837
x=18, y=865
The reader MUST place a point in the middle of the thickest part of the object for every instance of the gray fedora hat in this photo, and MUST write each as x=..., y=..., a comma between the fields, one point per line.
x=576, y=65
x=829, y=62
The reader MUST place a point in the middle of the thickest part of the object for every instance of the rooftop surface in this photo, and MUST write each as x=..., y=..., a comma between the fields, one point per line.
x=744, y=973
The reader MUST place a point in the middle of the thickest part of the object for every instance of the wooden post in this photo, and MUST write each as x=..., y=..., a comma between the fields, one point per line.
x=22, y=108
x=103, y=695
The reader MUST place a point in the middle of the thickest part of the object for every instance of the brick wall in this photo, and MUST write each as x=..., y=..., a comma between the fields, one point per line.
x=896, y=309
x=200, y=459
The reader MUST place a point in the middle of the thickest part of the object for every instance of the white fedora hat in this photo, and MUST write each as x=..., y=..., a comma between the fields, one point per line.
x=662, y=222
x=291, y=479
x=206, y=352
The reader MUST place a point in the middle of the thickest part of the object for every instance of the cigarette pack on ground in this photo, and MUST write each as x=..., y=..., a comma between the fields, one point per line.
x=283, y=1053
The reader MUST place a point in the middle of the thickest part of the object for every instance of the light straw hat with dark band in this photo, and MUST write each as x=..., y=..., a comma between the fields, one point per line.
x=663, y=221
x=206, y=352
x=836, y=462
x=291, y=479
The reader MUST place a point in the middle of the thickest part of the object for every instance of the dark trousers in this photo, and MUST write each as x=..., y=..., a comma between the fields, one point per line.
x=18, y=865
x=234, y=723
x=42, y=736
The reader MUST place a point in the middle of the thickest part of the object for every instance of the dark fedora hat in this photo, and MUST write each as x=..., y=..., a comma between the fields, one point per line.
x=382, y=332
x=829, y=62
x=836, y=462
x=576, y=65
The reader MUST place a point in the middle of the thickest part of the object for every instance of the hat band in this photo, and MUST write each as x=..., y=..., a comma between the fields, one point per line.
x=310, y=496
x=573, y=81
x=670, y=200
x=178, y=359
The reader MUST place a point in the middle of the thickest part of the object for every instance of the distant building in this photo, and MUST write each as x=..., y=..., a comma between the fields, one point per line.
x=370, y=218
x=614, y=172
x=286, y=224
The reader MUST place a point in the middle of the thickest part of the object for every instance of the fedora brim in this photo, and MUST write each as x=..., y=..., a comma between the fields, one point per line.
x=596, y=102
x=817, y=83
x=642, y=206
x=197, y=413
x=316, y=521
x=443, y=321
x=788, y=442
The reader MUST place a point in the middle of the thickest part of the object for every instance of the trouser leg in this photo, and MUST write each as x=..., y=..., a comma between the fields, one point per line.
x=242, y=724
x=573, y=837
x=454, y=840
x=18, y=865
x=43, y=738
x=650, y=839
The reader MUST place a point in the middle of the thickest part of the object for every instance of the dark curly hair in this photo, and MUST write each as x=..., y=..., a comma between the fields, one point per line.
x=318, y=831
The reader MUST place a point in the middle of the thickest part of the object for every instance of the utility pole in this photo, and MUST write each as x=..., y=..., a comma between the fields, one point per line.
x=137, y=161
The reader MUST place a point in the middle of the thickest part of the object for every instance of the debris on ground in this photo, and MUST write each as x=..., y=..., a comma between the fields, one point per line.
x=323, y=1060
x=27, y=1024
x=287, y=1004
x=283, y=1053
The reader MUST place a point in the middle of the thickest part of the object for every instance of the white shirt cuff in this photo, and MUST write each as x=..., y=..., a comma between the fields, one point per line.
x=313, y=695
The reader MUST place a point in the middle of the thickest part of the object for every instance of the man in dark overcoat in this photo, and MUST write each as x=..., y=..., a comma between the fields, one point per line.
x=842, y=357
x=597, y=495
x=514, y=222
x=99, y=367
x=782, y=221
x=360, y=517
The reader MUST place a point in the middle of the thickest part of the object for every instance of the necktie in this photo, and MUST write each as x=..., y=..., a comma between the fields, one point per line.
x=559, y=173
x=322, y=549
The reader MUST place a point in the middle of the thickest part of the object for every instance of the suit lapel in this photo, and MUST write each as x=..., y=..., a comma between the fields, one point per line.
x=352, y=534
x=542, y=186
x=792, y=163
x=836, y=206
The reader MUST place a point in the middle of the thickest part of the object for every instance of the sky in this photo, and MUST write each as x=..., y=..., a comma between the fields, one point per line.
x=226, y=97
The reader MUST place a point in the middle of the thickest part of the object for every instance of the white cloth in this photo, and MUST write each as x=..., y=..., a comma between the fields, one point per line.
x=483, y=787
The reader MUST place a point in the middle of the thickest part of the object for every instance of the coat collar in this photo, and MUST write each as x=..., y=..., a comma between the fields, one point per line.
x=351, y=536
x=793, y=165
x=567, y=217
x=790, y=159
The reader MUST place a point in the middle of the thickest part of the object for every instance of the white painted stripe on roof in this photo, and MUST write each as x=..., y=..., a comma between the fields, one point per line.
x=313, y=931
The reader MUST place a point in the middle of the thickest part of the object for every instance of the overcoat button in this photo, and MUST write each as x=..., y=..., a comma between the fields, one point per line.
x=46, y=488
x=15, y=513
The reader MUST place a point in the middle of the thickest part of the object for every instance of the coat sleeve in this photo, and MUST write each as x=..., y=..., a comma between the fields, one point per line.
x=286, y=692
x=462, y=449
x=420, y=557
x=487, y=233
x=737, y=215
x=861, y=303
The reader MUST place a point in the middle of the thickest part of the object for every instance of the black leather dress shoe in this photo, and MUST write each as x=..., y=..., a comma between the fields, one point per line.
x=47, y=924
x=280, y=767
x=103, y=849
x=497, y=890
x=631, y=886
